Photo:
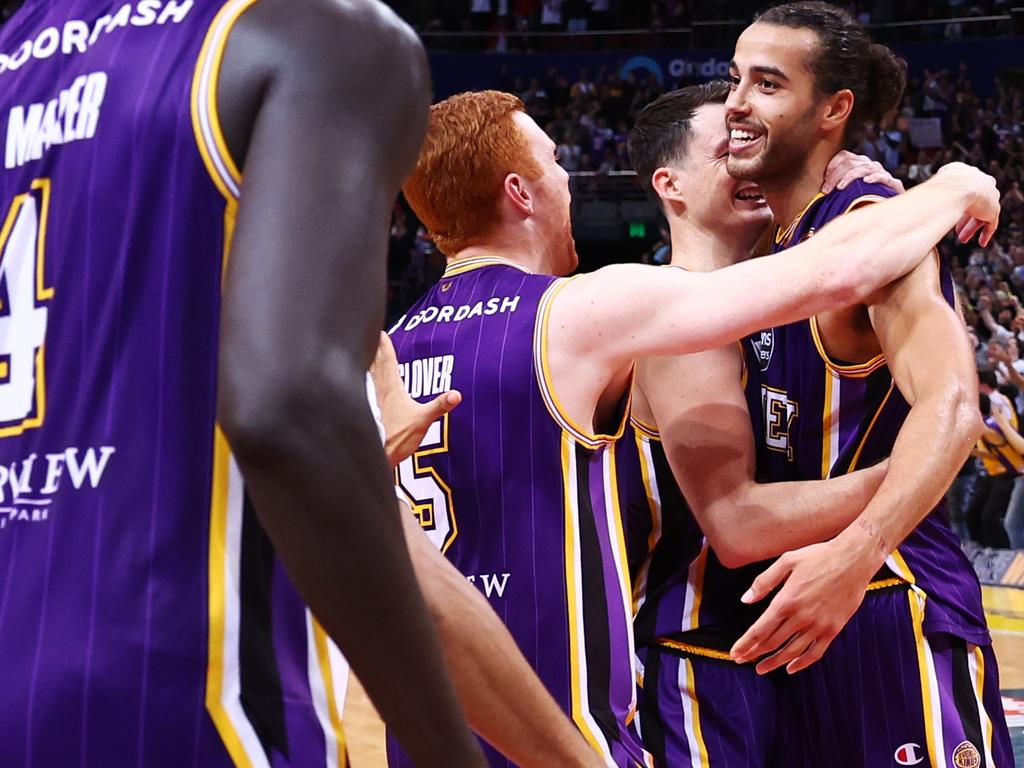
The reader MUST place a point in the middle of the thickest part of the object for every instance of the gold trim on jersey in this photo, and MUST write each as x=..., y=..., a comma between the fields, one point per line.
x=695, y=587
x=929, y=682
x=694, y=650
x=884, y=584
x=977, y=667
x=784, y=236
x=461, y=266
x=862, y=201
x=540, y=358
x=581, y=714
x=695, y=732
x=898, y=565
x=335, y=736
x=831, y=420
x=858, y=371
x=205, y=120
x=871, y=426
x=653, y=494
x=222, y=669
x=647, y=430
x=613, y=513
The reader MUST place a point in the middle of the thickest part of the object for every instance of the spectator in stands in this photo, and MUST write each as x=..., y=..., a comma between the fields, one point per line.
x=569, y=152
x=1013, y=522
x=994, y=486
x=551, y=16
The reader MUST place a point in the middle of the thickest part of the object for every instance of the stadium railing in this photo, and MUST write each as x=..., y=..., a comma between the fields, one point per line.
x=709, y=34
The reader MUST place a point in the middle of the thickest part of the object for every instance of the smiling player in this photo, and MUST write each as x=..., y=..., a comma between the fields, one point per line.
x=843, y=390
x=516, y=486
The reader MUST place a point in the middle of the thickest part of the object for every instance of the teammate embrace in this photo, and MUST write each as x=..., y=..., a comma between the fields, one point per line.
x=734, y=455
x=199, y=503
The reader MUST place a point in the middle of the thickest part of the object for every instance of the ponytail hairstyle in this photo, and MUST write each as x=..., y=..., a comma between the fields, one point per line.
x=846, y=59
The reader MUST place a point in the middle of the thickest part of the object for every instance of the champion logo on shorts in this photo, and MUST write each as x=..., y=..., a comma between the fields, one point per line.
x=909, y=754
x=966, y=755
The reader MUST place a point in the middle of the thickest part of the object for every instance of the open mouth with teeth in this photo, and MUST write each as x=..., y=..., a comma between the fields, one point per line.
x=742, y=140
x=751, y=194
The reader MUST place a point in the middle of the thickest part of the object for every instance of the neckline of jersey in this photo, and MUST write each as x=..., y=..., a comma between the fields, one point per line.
x=460, y=266
x=783, y=236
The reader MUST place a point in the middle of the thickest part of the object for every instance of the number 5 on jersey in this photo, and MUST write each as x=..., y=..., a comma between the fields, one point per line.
x=23, y=311
x=428, y=495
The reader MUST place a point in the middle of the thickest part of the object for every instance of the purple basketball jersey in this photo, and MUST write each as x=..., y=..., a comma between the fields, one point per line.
x=684, y=598
x=520, y=499
x=144, y=619
x=815, y=418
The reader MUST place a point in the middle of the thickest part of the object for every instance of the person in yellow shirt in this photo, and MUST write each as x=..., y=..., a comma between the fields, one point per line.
x=1001, y=450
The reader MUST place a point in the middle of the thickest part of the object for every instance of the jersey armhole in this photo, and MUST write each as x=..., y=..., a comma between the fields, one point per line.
x=206, y=125
x=585, y=437
x=860, y=370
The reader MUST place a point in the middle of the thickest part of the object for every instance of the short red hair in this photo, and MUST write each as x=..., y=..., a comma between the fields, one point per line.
x=472, y=144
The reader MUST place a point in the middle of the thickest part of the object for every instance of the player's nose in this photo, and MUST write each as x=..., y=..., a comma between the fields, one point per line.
x=736, y=102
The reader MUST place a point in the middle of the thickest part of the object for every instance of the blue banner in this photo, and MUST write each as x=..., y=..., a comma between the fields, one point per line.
x=455, y=72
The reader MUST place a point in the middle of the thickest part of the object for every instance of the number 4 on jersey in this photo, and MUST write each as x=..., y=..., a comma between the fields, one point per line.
x=23, y=311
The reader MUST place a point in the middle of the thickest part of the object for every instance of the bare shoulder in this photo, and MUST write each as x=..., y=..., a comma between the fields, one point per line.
x=329, y=39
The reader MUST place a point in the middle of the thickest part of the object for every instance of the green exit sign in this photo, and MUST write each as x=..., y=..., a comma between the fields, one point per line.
x=637, y=229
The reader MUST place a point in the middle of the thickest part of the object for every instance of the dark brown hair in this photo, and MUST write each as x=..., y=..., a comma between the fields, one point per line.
x=846, y=59
x=663, y=129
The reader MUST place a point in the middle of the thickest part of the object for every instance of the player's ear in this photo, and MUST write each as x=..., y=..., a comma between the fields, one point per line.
x=838, y=108
x=666, y=183
x=518, y=195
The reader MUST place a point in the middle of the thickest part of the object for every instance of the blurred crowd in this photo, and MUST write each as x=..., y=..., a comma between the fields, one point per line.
x=942, y=119
x=590, y=15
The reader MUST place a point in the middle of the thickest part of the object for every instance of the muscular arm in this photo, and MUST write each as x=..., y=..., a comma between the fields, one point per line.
x=912, y=320
x=623, y=312
x=702, y=415
x=504, y=700
x=825, y=583
x=325, y=110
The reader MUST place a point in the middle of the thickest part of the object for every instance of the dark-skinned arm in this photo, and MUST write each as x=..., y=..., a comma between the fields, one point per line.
x=324, y=107
x=825, y=583
x=697, y=402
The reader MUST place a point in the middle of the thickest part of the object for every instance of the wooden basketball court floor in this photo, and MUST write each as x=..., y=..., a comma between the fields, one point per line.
x=1005, y=606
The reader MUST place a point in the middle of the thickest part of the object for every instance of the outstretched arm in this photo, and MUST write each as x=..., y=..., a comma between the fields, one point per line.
x=825, y=584
x=702, y=416
x=324, y=110
x=842, y=264
x=623, y=312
